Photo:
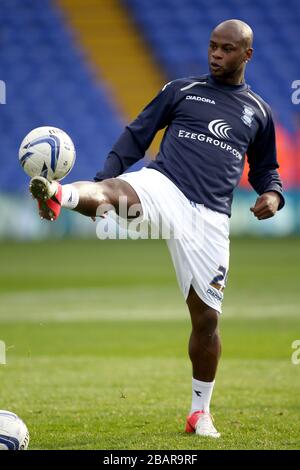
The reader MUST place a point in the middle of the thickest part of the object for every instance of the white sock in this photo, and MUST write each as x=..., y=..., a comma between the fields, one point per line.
x=201, y=395
x=70, y=196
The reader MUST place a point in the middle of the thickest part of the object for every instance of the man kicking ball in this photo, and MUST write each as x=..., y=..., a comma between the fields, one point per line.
x=211, y=122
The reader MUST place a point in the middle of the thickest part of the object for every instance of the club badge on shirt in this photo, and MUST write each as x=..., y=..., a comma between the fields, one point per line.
x=247, y=116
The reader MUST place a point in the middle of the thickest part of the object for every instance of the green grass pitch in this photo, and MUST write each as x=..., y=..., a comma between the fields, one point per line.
x=96, y=335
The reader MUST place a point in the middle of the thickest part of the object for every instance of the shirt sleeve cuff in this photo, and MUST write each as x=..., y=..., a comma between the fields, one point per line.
x=282, y=200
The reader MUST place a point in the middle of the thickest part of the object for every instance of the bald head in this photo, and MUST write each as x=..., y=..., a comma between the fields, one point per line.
x=237, y=31
x=230, y=48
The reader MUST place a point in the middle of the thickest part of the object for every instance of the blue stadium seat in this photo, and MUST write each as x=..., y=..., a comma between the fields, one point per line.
x=49, y=84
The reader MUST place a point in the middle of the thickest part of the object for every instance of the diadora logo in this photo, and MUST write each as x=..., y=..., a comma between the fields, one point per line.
x=215, y=294
x=219, y=128
x=200, y=98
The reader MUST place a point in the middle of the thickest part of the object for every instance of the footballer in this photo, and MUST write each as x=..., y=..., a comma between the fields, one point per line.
x=212, y=121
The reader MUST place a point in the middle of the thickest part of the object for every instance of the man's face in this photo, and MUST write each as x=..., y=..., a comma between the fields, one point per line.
x=226, y=55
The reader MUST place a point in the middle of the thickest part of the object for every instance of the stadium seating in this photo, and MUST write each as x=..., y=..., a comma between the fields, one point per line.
x=48, y=83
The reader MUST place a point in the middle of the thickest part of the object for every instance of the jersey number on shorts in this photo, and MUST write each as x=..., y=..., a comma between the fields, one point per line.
x=219, y=281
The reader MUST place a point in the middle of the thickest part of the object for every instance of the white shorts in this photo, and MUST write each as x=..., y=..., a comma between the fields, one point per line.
x=197, y=237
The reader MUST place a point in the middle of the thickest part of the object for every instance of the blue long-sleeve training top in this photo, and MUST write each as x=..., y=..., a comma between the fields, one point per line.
x=209, y=129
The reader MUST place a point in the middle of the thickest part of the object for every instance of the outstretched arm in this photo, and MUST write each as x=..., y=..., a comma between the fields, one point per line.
x=137, y=136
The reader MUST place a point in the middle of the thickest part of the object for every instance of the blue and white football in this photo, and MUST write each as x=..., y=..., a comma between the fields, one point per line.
x=47, y=151
x=14, y=434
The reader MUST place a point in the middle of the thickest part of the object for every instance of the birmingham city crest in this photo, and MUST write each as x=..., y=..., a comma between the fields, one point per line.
x=247, y=116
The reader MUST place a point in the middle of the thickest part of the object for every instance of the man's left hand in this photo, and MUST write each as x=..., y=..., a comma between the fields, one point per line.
x=266, y=205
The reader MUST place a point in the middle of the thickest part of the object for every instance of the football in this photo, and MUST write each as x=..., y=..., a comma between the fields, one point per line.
x=14, y=434
x=47, y=151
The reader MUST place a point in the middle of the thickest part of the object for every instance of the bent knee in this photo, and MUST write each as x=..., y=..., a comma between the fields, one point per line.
x=121, y=196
